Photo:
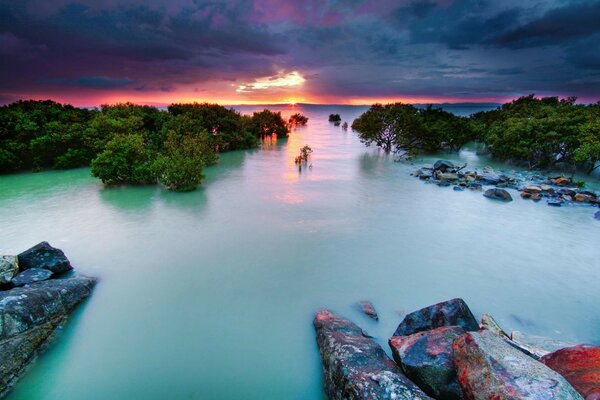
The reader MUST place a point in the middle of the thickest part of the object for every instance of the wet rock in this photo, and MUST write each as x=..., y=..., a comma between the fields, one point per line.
x=453, y=312
x=29, y=317
x=597, y=215
x=443, y=183
x=489, y=368
x=426, y=358
x=535, y=197
x=448, y=176
x=443, y=165
x=498, y=194
x=580, y=365
x=489, y=178
x=555, y=202
x=9, y=266
x=355, y=366
x=561, y=181
x=368, y=309
x=582, y=198
x=566, y=197
x=532, y=189
x=30, y=276
x=42, y=255
x=566, y=192
x=525, y=195
x=490, y=324
x=536, y=346
x=458, y=188
x=547, y=188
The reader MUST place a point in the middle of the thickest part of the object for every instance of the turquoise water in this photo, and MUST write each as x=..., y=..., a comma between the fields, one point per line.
x=210, y=294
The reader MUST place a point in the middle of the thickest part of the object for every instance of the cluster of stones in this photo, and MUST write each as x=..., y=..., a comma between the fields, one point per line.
x=557, y=190
x=38, y=292
x=442, y=352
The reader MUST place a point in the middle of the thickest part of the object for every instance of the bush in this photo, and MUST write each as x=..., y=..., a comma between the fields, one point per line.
x=267, y=123
x=335, y=118
x=126, y=159
x=298, y=119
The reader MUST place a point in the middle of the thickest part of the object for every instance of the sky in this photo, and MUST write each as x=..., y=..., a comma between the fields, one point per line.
x=311, y=51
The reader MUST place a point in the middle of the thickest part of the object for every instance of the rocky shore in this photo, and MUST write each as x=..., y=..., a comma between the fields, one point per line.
x=38, y=292
x=556, y=190
x=442, y=352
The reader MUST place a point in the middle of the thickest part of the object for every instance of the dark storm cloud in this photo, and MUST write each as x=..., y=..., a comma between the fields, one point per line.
x=344, y=48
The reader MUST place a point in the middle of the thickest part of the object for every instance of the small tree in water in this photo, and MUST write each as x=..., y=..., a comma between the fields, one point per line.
x=302, y=159
x=298, y=119
x=335, y=118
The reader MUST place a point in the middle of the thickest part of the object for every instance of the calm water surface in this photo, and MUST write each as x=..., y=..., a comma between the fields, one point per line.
x=210, y=294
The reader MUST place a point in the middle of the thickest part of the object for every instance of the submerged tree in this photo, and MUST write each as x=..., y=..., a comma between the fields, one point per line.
x=126, y=159
x=335, y=118
x=297, y=119
x=267, y=123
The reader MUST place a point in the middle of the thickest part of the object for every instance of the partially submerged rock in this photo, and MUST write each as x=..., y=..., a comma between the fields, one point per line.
x=368, y=309
x=9, y=267
x=355, y=366
x=489, y=368
x=536, y=346
x=497, y=194
x=427, y=359
x=443, y=165
x=447, y=313
x=29, y=316
x=42, y=255
x=31, y=275
x=580, y=365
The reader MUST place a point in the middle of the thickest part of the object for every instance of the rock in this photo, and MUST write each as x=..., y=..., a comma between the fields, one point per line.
x=368, y=309
x=498, y=194
x=489, y=178
x=536, y=346
x=547, y=188
x=9, y=266
x=580, y=365
x=355, y=366
x=458, y=188
x=453, y=312
x=443, y=183
x=532, y=189
x=426, y=358
x=424, y=173
x=443, y=165
x=31, y=275
x=29, y=317
x=525, y=195
x=561, y=181
x=448, y=176
x=554, y=202
x=597, y=215
x=566, y=197
x=474, y=186
x=582, y=198
x=489, y=368
x=535, y=197
x=490, y=324
x=567, y=192
x=42, y=255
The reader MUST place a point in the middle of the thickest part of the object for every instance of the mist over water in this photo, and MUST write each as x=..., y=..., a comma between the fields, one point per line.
x=211, y=294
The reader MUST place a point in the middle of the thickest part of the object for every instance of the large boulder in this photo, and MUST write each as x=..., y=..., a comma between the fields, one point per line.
x=443, y=165
x=580, y=365
x=29, y=316
x=30, y=276
x=9, y=267
x=536, y=346
x=427, y=359
x=497, y=194
x=42, y=255
x=490, y=368
x=453, y=312
x=355, y=366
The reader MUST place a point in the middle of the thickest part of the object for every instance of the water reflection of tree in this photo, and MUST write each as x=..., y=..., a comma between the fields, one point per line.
x=272, y=142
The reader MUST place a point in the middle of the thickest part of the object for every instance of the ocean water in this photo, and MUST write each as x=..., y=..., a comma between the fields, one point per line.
x=211, y=294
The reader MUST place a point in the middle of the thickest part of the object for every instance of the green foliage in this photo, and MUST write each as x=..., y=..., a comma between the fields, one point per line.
x=180, y=167
x=267, y=123
x=125, y=159
x=405, y=129
x=298, y=119
x=335, y=118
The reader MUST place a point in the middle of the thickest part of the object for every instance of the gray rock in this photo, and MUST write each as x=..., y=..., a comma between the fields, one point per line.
x=355, y=366
x=490, y=368
x=443, y=165
x=488, y=178
x=448, y=176
x=31, y=275
x=42, y=255
x=454, y=312
x=536, y=346
x=498, y=194
x=9, y=267
x=29, y=317
x=554, y=202
x=490, y=324
x=426, y=358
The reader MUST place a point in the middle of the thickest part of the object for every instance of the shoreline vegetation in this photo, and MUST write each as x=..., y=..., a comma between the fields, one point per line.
x=531, y=132
x=128, y=143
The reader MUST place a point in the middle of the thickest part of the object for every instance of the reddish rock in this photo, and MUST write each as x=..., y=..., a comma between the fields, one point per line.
x=426, y=358
x=580, y=365
x=355, y=366
x=582, y=198
x=368, y=309
x=488, y=368
x=525, y=195
x=453, y=312
x=561, y=181
x=536, y=196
